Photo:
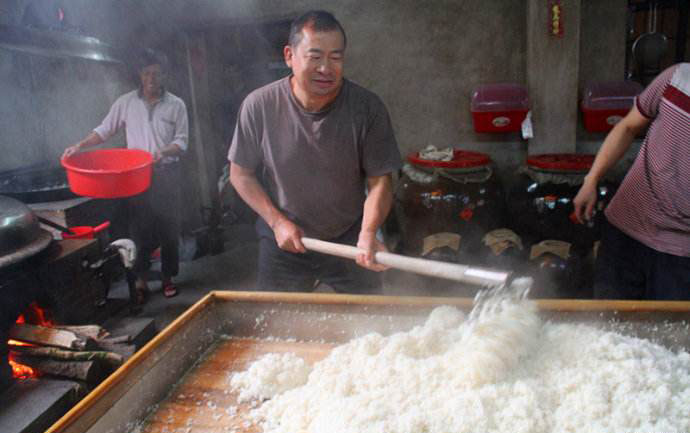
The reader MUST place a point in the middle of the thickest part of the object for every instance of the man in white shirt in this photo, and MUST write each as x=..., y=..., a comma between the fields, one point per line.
x=154, y=120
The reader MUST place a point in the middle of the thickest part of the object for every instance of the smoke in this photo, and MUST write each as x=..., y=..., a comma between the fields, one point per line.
x=37, y=89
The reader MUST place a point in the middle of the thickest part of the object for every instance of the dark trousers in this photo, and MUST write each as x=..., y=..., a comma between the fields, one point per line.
x=280, y=270
x=628, y=269
x=154, y=220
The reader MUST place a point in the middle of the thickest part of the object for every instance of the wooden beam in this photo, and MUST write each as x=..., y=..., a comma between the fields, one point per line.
x=553, y=64
x=197, y=65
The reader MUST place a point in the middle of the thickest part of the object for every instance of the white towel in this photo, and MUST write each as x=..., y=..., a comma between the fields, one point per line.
x=431, y=153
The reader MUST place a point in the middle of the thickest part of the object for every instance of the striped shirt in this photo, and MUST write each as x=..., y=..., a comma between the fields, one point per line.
x=652, y=204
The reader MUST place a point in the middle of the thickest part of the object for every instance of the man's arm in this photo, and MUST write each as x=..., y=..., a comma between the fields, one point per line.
x=612, y=150
x=376, y=208
x=92, y=139
x=112, y=122
x=288, y=234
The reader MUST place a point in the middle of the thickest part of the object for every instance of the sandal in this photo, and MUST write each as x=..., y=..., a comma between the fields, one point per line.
x=169, y=290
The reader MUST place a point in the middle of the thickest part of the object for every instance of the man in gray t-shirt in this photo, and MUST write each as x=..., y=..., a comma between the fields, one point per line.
x=319, y=141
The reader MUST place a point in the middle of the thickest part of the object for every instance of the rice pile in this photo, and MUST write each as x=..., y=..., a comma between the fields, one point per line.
x=500, y=369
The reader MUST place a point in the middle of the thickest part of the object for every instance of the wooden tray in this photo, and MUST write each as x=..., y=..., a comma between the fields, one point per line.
x=179, y=380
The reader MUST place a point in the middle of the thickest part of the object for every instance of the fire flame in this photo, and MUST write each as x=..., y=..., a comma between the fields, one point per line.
x=20, y=371
x=38, y=316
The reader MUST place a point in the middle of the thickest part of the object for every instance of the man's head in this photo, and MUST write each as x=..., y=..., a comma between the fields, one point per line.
x=315, y=53
x=151, y=69
x=320, y=21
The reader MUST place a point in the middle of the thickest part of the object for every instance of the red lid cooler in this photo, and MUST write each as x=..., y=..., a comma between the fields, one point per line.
x=605, y=104
x=499, y=107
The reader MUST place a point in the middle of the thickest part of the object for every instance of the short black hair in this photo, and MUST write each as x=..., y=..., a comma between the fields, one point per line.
x=148, y=57
x=319, y=20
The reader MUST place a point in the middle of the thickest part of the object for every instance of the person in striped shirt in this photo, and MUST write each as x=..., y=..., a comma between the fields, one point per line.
x=645, y=246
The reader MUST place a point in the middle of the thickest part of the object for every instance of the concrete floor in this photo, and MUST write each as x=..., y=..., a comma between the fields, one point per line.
x=235, y=269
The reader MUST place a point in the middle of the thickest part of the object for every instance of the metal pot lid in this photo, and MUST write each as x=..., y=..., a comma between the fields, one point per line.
x=20, y=233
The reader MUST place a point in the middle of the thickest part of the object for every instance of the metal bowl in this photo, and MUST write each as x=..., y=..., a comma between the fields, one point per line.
x=20, y=233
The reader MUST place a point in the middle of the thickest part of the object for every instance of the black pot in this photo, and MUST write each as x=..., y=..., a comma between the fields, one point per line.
x=36, y=184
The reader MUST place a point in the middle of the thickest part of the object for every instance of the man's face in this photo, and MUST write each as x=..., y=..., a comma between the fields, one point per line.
x=317, y=62
x=151, y=79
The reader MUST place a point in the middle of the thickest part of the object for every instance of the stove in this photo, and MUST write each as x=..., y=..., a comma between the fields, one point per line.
x=61, y=279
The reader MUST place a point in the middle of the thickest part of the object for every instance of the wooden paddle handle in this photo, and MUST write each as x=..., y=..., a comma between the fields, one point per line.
x=431, y=268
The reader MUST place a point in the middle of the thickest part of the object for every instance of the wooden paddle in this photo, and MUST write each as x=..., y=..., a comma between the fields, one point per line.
x=431, y=268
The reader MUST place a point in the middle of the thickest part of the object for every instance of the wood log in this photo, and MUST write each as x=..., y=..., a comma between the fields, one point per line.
x=86, y=331
x=113, y=360
x=124, y=350
x=115, y=340
x=87, y=371
x=50, y=337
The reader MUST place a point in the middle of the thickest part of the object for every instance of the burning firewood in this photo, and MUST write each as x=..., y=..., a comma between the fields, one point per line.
x=120, y=345
x=90, y=372
x=113, y=360
x=51, y=337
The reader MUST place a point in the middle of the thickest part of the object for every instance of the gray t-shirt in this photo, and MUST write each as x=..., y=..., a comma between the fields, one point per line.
x=315, y=165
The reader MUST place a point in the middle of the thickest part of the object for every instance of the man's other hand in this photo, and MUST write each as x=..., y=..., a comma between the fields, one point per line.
x=584, y=202
x=368, y=242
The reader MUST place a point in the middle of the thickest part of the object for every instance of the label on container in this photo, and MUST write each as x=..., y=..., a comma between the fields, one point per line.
x=439, y=240
x=558, y=248
x=612, y=120
x=501, y=239
x=500, y=122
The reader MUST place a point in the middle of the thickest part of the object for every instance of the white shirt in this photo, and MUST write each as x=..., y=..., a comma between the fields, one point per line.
x=147, y=127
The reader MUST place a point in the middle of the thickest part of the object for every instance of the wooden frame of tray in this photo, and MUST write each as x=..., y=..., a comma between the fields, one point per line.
x=125, y=397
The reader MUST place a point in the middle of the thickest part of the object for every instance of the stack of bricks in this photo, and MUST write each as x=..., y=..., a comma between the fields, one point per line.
x=70, y=288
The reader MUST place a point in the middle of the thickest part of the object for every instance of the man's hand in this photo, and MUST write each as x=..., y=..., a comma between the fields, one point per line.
x=171, y=149
x=71, y=151
x=288, y=236
x=368, y=242
x=584, y=201
x=92, y=139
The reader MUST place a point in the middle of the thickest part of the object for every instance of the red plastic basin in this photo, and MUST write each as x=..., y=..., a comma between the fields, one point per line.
x=109, y=173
